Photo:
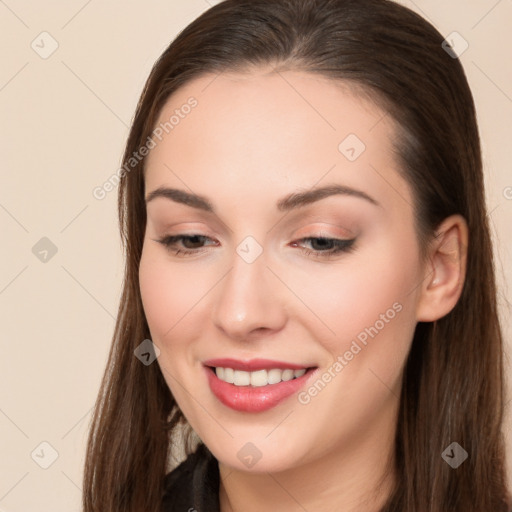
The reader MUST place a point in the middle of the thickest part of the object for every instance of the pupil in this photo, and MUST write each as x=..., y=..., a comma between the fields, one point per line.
x=321, y=242
x=193, y=239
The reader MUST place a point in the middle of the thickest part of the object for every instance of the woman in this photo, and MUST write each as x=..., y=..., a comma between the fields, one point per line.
x=309, y=282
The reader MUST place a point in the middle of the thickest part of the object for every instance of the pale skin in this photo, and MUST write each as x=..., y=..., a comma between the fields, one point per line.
x=251, y=140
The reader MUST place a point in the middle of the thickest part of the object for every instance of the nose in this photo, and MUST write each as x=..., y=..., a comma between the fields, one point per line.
x=249, y=300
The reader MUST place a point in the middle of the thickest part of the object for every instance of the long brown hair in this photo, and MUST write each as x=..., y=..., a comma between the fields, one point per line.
x=453, y=386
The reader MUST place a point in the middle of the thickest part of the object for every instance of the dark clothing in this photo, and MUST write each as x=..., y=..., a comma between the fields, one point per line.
x=193, y=486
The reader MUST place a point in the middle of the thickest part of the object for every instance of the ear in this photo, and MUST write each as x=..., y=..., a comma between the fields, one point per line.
x=445, y=270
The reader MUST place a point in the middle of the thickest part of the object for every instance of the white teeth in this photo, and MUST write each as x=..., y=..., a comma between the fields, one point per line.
x=229, y=375
x=258, y=378
x=242, y=378
x=274, y=376
x=287, y=375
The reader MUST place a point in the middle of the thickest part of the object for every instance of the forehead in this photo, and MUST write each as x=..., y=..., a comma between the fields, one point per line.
x=247, y=131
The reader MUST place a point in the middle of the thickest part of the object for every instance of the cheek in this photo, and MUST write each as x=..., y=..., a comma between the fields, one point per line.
x=158, y=303
x=371, y=309
x=167, y=294
x=369, y=300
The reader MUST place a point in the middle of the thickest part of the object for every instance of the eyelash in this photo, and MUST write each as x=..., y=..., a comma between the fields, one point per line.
x=340, y=246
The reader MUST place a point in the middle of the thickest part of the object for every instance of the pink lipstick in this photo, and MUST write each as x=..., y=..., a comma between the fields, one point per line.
x=256, y=385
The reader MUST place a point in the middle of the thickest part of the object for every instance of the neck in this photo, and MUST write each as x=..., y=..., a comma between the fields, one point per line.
x=357, y=476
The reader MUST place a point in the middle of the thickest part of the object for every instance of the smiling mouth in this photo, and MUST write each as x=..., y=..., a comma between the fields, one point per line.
x=256, y=385
x=258, y=378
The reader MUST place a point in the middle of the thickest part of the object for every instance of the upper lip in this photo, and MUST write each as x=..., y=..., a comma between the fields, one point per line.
x=252, y=364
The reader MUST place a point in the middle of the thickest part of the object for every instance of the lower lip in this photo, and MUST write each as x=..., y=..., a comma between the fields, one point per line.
x=254, y=399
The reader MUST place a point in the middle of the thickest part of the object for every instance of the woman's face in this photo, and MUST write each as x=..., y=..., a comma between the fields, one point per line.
x=258, y=287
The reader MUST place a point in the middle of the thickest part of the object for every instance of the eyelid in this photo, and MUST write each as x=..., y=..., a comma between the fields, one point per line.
x=340, y=245
x=321, y=232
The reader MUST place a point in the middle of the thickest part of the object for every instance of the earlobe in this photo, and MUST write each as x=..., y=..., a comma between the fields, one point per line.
x=444, y=271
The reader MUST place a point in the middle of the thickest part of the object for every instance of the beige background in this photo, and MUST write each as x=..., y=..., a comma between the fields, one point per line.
x=64, y=120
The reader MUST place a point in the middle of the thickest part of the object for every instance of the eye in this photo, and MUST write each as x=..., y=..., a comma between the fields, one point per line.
x=322, y=247
x=186, y=239
x=326, y=247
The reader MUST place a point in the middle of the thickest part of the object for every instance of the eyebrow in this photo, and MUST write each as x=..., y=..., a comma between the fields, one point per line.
x=287, y=203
